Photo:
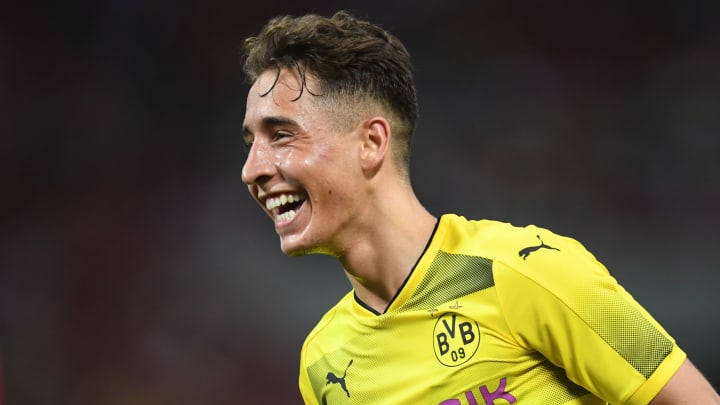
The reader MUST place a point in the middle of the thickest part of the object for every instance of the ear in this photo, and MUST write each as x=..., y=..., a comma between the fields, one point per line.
x=375, y=146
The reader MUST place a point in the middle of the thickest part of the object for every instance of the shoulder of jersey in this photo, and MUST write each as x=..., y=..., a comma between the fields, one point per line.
x=515, y=246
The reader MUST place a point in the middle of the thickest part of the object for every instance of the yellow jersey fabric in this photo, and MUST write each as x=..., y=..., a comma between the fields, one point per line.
x=492, y=314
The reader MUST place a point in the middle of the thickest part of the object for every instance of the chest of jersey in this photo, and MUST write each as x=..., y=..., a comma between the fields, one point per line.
x=484, y=318
x=455, y=352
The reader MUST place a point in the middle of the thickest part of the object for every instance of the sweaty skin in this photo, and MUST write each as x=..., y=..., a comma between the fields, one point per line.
x=354, y=204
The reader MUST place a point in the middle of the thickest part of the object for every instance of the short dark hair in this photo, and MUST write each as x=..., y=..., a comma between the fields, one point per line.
x=351, y=59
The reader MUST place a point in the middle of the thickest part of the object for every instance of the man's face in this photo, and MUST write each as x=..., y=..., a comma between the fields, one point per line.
x=300, y=169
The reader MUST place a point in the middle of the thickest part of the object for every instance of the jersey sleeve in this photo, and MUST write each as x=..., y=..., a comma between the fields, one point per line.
x=306, y=390
x=312, y=351
x=561, y=302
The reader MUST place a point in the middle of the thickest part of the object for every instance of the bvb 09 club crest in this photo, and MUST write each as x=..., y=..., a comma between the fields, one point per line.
x=455, y=339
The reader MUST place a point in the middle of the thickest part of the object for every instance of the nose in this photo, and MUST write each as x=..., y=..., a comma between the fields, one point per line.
x=259, y=166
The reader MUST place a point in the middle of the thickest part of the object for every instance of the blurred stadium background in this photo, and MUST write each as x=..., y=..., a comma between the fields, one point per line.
x=135, y=268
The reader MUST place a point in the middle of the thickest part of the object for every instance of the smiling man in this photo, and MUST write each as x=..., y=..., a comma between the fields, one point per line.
x=442, y=310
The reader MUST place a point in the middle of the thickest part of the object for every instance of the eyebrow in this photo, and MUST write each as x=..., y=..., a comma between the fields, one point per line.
x=270, y=121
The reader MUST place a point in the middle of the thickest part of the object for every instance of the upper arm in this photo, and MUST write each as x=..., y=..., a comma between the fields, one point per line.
x=687, y=387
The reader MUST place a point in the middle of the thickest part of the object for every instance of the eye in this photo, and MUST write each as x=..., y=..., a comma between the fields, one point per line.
x=247, y=144
x=248, y=140
x=281, y=135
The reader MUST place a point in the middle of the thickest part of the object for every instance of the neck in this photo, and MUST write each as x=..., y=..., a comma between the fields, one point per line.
x=382, y=255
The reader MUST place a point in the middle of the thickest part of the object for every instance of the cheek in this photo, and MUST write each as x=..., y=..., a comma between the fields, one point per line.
x=327, y=172
x=321, y=164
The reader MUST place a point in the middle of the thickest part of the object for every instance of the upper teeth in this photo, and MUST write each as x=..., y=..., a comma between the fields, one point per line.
x=272, y=203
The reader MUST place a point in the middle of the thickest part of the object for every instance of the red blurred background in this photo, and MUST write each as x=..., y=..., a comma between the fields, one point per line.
x=135, y=269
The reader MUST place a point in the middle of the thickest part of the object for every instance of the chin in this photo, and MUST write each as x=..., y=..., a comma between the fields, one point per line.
x=294, y=249
x=299, y=249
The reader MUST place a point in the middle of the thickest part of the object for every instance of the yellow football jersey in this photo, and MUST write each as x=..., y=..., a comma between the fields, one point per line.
x=492, y=314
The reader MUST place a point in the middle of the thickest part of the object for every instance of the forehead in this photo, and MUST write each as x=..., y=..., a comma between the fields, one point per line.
x=275, y=94
x=283, y=84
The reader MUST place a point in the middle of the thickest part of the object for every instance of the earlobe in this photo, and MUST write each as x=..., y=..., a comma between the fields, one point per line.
x=375, y=143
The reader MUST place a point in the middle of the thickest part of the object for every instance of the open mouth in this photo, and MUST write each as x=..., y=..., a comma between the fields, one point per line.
x=284, y=206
